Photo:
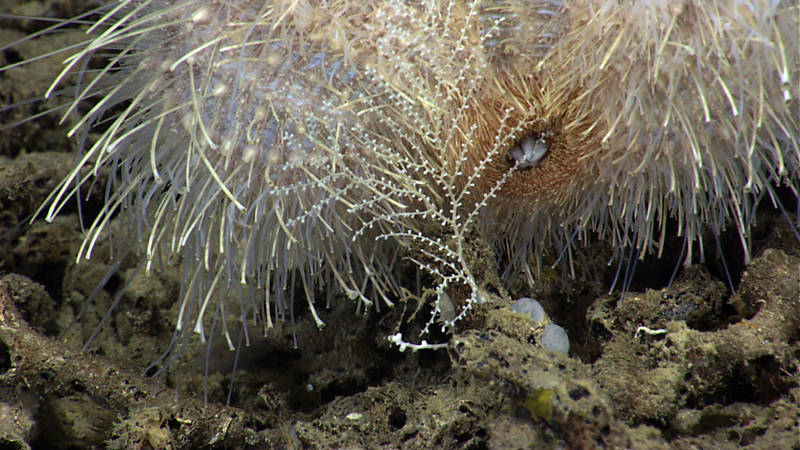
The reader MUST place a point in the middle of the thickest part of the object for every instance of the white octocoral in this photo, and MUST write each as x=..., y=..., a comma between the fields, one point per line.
x=267, y=141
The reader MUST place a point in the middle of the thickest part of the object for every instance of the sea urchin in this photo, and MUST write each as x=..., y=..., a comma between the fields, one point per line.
x=263, y=142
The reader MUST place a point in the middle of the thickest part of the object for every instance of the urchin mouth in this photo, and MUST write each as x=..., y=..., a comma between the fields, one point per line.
x=528, y=152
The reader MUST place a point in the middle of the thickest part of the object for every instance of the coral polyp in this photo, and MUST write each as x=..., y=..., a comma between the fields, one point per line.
x=311, y=142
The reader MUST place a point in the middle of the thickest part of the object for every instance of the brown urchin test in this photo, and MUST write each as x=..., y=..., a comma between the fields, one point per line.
x=260, y=141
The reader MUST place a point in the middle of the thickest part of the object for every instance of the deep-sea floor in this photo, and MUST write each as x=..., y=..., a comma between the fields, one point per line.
x=718, y=369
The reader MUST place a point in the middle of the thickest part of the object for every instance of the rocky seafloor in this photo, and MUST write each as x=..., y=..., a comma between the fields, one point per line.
x=686, y=364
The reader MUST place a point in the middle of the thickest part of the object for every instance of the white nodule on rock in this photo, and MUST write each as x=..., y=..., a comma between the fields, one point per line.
x=555, y=339
x=353, y=416
x=529, y=306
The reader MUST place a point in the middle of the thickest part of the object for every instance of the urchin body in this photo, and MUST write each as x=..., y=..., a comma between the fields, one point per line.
x=271, y=142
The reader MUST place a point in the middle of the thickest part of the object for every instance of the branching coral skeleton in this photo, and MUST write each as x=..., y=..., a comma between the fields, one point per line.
x=311, y=144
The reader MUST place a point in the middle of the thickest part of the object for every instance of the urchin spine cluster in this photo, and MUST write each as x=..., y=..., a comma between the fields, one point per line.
x=275, y=143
